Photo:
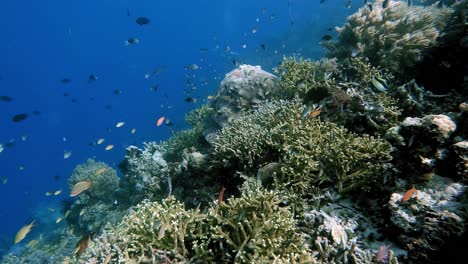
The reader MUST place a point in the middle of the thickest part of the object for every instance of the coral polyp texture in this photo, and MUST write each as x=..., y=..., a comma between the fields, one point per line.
x=393, y=36
x=312, y=152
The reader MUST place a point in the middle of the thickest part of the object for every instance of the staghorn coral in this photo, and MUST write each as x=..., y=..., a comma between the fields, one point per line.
x=306, y=79
x=344, y=91
x=312, y=152
x=392, y=37
x=152, y=231
x=253, y=228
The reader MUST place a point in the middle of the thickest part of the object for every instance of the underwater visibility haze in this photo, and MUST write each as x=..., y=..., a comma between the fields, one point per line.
x=289, y=131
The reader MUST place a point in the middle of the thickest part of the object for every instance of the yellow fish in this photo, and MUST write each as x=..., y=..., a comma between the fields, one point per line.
x=100, y=141
x=80, y=187
x=57, y=192
x=58, y=220
x=32, y=243
x=120, y=124
x=23, y=232
x=67, y=213
x=99, y=171
x=109, y=147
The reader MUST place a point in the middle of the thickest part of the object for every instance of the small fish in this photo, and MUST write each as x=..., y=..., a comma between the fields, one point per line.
x=154, y=88
x=254, y=30
x=99, y=171
x=409, y=2
x=133, y=131
x=58, y=220
x=327, y=37
x=382, y=254
x=120, y=124
x=21, y=167
x=24, y=138
x=147, y=75
x=19, y=117
x=142, y=21
x=322, y=1
x=23, y=232
x=221, y=195
x=192, y=67
x=408, y=194
x=80, y=187
x=355, y=52
x=315, y=113
x=33, y=243
x=65, y=80
x=4, y=180
x=58, y=192
x=67, y=154
x=5, y=98
x=109, y=147
x=210, y=97
x=117, y=92
x=1, y=148
x=378, y=84
x=92, y=78
x=48, y=193
x=190, y=100
x=82, y=245
x=162, y=231
x=348, y=4
x=160, y=121
x=100, y=141
x=131, y=41
x=263, y=46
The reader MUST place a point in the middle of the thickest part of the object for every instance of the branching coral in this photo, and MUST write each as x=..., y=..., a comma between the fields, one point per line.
x=312, y=152
x=253, y=228
x=392, y=37
x=153, y=230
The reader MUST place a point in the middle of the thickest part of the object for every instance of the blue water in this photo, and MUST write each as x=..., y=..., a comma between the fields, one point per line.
x=46, y=41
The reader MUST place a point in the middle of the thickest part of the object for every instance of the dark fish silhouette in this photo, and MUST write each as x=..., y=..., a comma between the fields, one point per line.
x=326, y=37
x=65, y=80
x=19, y=117
x=5, y=98
x=92, y=78
x=190, y=100
x=142, y=21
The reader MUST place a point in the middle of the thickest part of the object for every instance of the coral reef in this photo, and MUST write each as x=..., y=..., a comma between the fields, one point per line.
x=254, y=228
x=96, y=206
x=430, y=218
x=424, y=146
x=392, y=36
x=351, y=92
x=312, y=152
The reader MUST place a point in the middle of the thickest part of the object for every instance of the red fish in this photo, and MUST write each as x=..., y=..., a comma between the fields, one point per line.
x=408, y=195
x=220, y=196
x=160, y=121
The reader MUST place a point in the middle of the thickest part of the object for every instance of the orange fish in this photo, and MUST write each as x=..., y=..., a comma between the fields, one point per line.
x=80, y=187
x=82, y=245
x=160, y=121
x=408, y=194
x=315, y=113
x=221, y=194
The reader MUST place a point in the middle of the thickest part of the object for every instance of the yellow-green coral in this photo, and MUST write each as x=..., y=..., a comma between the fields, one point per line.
x=300, y=78
x=392, y=37
x=253, y=228
x=312, y=152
